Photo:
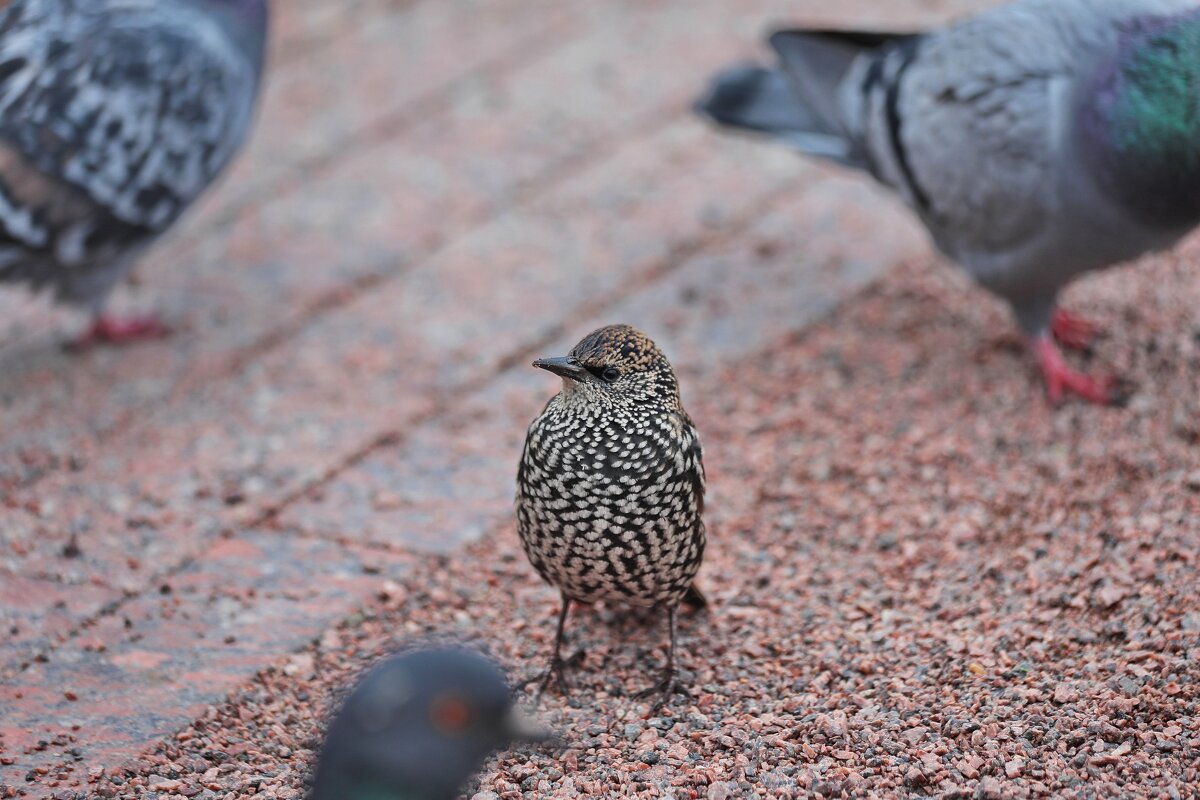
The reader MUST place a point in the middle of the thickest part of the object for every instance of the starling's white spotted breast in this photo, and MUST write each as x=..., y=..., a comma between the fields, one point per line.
x=114, y=116
x=611, y=483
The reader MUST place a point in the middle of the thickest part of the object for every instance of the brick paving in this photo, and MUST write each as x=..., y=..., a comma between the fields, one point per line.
x=436, y=193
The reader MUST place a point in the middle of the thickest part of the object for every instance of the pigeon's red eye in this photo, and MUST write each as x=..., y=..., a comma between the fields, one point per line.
x=450, y=714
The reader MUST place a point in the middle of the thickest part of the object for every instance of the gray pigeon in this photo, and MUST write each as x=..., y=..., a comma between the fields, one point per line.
x=417, y=727
x=115, y=115
x=1036, y=141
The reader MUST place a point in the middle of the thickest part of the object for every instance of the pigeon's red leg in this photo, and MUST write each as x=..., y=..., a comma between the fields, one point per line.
x=111, y=330
x=1061, y=378
x=1071, y=330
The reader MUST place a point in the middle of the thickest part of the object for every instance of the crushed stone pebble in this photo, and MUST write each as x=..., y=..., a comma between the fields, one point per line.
x=924, y=582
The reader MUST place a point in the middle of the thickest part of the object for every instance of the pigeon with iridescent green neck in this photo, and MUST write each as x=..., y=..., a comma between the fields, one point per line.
x=1037, y=141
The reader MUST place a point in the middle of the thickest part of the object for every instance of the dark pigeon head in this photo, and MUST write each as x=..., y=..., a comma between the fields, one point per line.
x=417, y=727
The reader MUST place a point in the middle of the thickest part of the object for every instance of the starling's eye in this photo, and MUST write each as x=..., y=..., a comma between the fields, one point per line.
x=610, y=374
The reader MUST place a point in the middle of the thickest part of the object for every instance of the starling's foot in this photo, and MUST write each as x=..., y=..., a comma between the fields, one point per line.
x=555, y=674
x=1061, y=378
x=110, y=330
x=665, y=690
x=1072, y=331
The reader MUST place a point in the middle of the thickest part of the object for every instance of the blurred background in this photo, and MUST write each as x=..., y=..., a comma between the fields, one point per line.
x=432, y=189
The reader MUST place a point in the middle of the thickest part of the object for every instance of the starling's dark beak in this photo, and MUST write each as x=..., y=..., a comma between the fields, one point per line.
x=564, y=366
x=521, y=727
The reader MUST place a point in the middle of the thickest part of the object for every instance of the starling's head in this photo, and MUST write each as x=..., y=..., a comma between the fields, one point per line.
x=418, y=726
x=616, y=365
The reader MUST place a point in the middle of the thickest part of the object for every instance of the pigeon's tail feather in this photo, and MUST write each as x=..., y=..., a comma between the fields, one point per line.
x=819, y=64
x=843, y=76
x=766, y=101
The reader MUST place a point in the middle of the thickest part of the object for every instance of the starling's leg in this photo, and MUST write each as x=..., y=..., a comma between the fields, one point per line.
x=669, y=686
x=111, y=330
x=1061, y=378
x=554, y=672
x=1072, y=331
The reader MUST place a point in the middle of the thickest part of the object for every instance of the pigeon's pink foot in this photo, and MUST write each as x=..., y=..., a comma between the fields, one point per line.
x=110, y=330
x=1072, y=331
x=1061, y=378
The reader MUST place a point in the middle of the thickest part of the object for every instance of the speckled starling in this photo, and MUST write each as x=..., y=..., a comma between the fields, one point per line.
x=114, y=117
x=417, y=727
x=610, y=489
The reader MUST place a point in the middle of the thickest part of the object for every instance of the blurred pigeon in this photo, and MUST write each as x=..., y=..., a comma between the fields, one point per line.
x=115, y=115
x=417, y=727
x=1036, y=141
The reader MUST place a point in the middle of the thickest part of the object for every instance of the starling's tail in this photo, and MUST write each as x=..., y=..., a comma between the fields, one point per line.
x=695, y=598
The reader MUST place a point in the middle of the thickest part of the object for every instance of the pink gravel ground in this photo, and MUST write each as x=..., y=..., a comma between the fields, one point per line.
x=925, y=582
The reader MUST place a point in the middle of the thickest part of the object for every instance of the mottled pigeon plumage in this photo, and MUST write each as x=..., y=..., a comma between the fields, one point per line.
x=115, y=115
x=417, y=727
x=1036, y=141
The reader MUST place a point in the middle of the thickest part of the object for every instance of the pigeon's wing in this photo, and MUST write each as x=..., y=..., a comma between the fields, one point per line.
x=969, y=123
x=973, y=124
x=113, y=119
x=958, y=121
x=964, y=124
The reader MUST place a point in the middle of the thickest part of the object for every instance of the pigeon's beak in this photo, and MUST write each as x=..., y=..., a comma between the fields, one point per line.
x=521, y=727
x=564, y=366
